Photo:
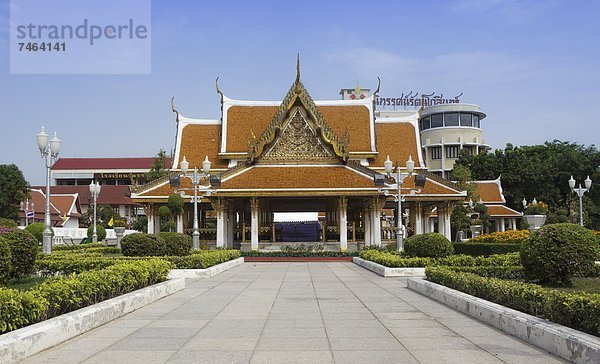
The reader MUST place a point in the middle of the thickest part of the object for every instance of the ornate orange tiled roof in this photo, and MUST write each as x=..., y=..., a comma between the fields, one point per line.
x=432, y=187
x=399, y=141
x=490, y=191
x=243, y=119
x=502, y=211
x=198, y=141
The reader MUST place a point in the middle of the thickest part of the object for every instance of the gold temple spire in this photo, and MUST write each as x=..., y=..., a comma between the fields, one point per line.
x=298, y=67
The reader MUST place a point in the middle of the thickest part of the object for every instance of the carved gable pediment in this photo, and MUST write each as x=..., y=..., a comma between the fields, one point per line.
x=298, y=141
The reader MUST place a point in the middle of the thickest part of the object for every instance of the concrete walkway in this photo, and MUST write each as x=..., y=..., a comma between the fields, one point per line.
x=295, y=312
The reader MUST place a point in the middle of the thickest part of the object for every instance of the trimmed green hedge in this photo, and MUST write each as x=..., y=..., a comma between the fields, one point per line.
x=394, y=260
x=493, y=271
x=24, y=248
x=37, y=229
x=76, y=247
x=433, y=245
x=142, y=245
x=77, y=263
x=176, y=243
x=485, y=249
x=60, y=295
x=579, y=311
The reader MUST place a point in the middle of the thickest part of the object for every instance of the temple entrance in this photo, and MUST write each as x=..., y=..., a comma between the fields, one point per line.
x=301, y=227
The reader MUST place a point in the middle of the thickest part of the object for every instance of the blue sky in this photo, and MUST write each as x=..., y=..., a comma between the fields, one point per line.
x=531, y=65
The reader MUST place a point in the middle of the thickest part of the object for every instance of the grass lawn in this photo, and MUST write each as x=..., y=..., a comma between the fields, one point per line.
x=26, y=283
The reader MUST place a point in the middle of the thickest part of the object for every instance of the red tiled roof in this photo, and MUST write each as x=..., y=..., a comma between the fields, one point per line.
x=107, y=163
x=109, y=195
x=502, y=211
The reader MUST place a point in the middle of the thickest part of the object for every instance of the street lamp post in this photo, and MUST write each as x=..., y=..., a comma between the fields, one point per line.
x=580, y=191
x=27, y=208
x=196, y=178
x=399, y=177
x=49, y=149
x=95, y=191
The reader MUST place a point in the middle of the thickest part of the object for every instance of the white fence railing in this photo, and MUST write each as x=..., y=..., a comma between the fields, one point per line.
x=75, y=236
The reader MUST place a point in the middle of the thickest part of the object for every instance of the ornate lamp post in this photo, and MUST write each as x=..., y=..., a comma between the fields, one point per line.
x=196, y=178
x=399, y=177
x=580, y=191
x=95, y=191
x=27, y=208
x=49, y=150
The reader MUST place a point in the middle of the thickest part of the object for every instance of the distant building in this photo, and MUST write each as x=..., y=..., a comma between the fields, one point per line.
x=503, y=218
x=65, y=209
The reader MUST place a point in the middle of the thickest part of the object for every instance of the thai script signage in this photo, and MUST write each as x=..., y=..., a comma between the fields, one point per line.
x=414, y=101
x=121, y=175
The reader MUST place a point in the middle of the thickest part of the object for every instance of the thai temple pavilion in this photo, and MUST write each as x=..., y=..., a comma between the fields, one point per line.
x=301, y=155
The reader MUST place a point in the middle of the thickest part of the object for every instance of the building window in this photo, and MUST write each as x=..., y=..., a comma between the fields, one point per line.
x=452, y=151
x=476, y=121
x=437, y=120
x=465, y=119
x=425, y=123
x=451, y=119
x=436, y=153
x=468, y=150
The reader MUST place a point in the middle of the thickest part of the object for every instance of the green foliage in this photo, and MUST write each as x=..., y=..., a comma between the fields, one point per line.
x=537, y=208
x=5, y=261
x=100, y=231
x=505, y=237
x=158, y=167
x=176, y=243
x=7, y=223
x=119, y=223
x=140, y=224
x=37, y=229
x=431, y=245
x=24, y=248
x=557, y=252
x=166, y=219
x=60, y=295
x=168, y=226
x=202, y=259
x=485, y=249
x=175, y=204
x=143, y=245
x=393, y=260
x=77, y=247
x=492, y=271
x=13, y=190
x=576, y=310
x=543, y=171
x=164, y=213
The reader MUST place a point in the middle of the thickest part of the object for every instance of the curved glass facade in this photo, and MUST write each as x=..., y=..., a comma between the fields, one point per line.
x=450, y=119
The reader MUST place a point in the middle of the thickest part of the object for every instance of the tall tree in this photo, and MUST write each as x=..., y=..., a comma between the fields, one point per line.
x=542, y=171
x=13, y=190
x=158, y=169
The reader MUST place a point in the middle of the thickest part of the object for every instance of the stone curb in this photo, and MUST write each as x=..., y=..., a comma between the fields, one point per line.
x=19, y=344
x=570, y=344
x=208, y=272
x=384, y=271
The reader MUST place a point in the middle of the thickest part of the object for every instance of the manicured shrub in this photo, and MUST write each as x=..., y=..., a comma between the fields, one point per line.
x=37, y=229
x=393, y=260
x=503, y=237
x=431, y=245
x=204, y=259
x=579, y=310
x=7, y=223
x=24, y=248
x=485, y=249
x=76, y=247
x=176, y=243
x=142, y=245
x=100, y=231
x=59, y=295
x=557, y=252
x=492, y=271
x=5, y=261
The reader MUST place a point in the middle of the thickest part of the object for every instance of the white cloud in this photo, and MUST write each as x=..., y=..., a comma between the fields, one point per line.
x=516, y=11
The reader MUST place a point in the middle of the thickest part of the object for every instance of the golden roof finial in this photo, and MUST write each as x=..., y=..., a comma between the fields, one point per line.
x=298, y=67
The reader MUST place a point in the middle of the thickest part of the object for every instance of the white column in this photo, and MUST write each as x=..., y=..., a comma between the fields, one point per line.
x=343, y=223
x=376, y=223
x=418, y=218
x=180, y=223
x=150, y=215
x=502, y=225
x=447, y=225
x=367, y=219
x=254, y=206
x=231, y=225
x=430, y=224
x=221, y=220
x=513, y=223
x=441, y=217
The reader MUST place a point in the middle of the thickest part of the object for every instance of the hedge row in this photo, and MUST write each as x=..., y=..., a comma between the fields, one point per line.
x=503, y=237
x=77, y=263
x=76, y=247
x=579, y=311
x=485, y=249
x=502, y=272
x=18, y=251
x=60, y=295
x=393, y=260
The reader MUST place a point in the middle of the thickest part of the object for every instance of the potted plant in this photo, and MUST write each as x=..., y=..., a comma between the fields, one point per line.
x=535, y=215
x=476, y=227
x=119, y=227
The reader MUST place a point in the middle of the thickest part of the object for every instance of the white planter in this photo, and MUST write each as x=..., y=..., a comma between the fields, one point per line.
x=534, y=221
x=119, y=231
x=476, y=230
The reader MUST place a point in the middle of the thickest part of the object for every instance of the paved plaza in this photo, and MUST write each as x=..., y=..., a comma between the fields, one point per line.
x=295, y=313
